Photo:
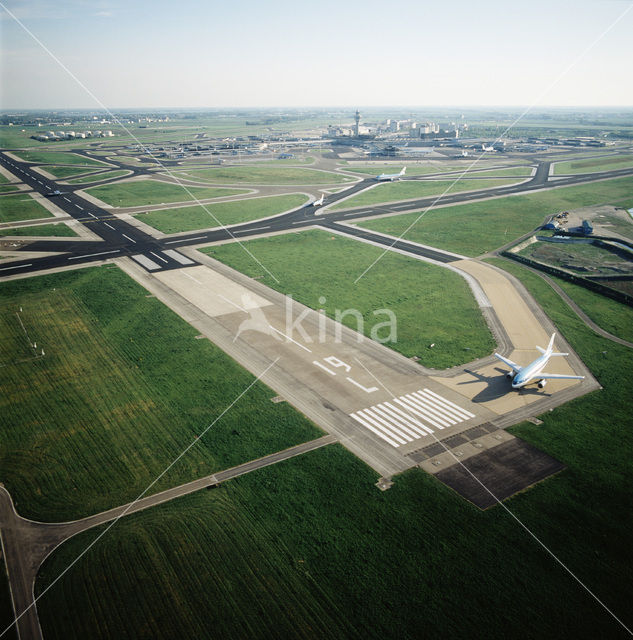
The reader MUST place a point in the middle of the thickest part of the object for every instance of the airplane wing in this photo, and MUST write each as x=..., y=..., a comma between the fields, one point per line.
x=553, y=376
x=514, y=365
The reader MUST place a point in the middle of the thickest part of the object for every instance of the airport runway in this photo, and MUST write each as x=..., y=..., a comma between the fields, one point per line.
x=120, y=238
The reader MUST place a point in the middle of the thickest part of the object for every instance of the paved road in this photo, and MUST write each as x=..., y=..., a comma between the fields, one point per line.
x=119, y=238
x=26, y=543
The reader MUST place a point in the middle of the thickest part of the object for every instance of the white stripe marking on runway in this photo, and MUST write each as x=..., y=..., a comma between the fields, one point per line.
x=428, y=407
x=369, y=426
x=365, y=414
x=128, y=237
x=382, y=411
x=415, y=424
x=439, y=406
x=91, y=255
x=318, y=364
x=187, y=239
x=178, y=257
x=452, y=404
x=407, y=405
x=17, y=266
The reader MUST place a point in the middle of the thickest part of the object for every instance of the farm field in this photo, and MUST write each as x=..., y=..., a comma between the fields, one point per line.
x=265, y=175
x=476, y=228
x=394, y=191
x=123, y=388
x=191, y=218
x=593, y=164
x=14, y=208
x=58, y=157
x=137, y=193
x=315, y=537
x=60, y=229
x=432, y=304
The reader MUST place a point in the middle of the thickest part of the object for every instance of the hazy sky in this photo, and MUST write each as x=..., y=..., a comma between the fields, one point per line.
x=308, y=53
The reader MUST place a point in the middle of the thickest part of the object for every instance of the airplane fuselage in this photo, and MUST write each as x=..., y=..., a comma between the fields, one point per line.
x=528, y=373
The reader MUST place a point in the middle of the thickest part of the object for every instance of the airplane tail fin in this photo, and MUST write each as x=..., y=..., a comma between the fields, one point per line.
x=550, y=346
x=404, y=169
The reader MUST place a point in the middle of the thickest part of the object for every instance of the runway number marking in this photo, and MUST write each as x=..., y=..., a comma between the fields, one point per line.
x=337, y=363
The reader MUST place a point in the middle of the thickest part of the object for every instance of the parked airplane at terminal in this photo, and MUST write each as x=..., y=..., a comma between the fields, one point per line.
x=521, y=376
x=391, y=176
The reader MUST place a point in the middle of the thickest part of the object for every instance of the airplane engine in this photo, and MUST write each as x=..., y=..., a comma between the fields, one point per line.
x=510, y=375
x=542, y=383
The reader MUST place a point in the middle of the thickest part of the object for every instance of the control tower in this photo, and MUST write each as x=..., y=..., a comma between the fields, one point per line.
x=356, y=126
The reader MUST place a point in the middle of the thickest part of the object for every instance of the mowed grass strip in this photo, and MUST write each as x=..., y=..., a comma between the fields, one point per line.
x=608, y=163
x=60, y=229
x=96, y=177
x=405, y=189
x=14, y=208
x=363, y=562
x=431, y=304
x=66, y=172
x=225, y=213
x=478, y=227
x=136, y=193
x=123, y=388
x=57, y=157
x=266, y=175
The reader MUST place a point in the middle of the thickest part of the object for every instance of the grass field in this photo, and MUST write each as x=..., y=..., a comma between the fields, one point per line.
x=190, y=218
x=593, y=164
x=265, y=175
x=106, y=175
x=612, y=316
x=578, y=257
x=123, y=388
x=623, y=227
x=310, y=549
x=58, y=157
x=142, y=192
x=59, y=229
x=438, y=167
x=66, y=172
x=15, y=208
x=473, y=229
x=8, y=188
x=393, y=191
x=432, y=304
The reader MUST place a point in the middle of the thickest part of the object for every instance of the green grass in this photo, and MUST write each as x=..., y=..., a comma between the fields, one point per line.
x=123, y=388
x=594, y=164
x=311, y=549
x=617, y=224
x=60, y=229
x=3, y=178
x=475, y=228
x=438, y=167
x=143, y=192
x=432, y=304
x=66, y=172
x=57, y=157
x=190, y=218
x=15, y=208
x=576, y=257
x=265, y=175
x=106, y=175
x=612, y=316
x=403, y=190
x=8, y=188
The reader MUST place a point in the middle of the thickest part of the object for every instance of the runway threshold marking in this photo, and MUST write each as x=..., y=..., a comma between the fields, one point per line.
x=410, y=419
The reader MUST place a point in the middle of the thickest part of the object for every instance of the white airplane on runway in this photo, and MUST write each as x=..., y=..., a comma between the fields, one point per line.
x=391, y=176
x=521, y=376
x=487, y=147
x=319, y=202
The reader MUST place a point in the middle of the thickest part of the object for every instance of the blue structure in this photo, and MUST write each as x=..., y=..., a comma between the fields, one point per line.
x=587, y=229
